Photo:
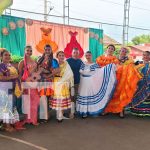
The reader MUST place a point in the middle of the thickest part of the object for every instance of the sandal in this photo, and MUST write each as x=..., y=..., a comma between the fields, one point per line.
x=10, y=129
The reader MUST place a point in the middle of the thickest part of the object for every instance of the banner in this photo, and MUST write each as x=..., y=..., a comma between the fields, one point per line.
x=18, y=32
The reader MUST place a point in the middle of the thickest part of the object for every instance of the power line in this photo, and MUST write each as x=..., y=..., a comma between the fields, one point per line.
x=60, y=16
x=120, y=4
x=87, y=16
x=138, y=28
x=84, y=20
x=141, y=3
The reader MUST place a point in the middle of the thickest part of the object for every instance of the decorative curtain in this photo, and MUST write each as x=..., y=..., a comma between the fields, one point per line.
x=16, y=32
x=12, y=34
x=59, y=34
x=96, y=42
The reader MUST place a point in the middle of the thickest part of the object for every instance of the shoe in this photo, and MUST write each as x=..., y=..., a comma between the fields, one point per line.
x=65, y=117
x=59, y=121
x=10, y=129
x=36, y=124
x=121, y=114
x=43, y=121
x=71, y=116
x=104, y=114
x=84, y=116
x=19, y=126
x=2, y=127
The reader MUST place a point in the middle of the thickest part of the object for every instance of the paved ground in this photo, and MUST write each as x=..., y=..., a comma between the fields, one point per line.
x=102, y=133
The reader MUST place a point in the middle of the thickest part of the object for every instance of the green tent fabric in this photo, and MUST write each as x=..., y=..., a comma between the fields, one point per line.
x=95, y=42
x=15, y=41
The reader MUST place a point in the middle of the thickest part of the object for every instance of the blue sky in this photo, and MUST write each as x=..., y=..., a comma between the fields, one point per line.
x=110, y=11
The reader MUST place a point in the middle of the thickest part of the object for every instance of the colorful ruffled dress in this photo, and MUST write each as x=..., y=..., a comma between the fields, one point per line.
x=8, y=107
x=48, y=91
x=46, y=39
x=105, y=60
x=31, y=104
x=95, y=89
x=127, y=79
x=140, y=105
x=63, y=82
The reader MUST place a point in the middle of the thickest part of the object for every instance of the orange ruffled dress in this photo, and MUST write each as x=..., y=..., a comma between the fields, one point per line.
x=46, y=39
x=105, y=60
x=127, y=79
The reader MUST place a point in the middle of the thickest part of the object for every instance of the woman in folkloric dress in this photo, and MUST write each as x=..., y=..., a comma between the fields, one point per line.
x=140, y=105
x=8, y=108
x=108, y=58
x=63, y=82
x=127, y=79
x=125, y=73
x=96, y=87
x=50, y=68
x=26, y=68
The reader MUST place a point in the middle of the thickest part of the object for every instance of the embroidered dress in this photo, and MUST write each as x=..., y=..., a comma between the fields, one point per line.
x=48, y=91
x=95, y=89
x=126, y=74
x=127, y=79
x=8, y=99
x=61, y=99
x=31, y=104
x=140, y=105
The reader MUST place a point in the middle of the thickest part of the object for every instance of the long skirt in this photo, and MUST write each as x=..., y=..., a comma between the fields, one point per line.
x=140, y=105
x=61, y=99
x=31, y=105
x=95, y=91
x=8, y=112
x=142, y=109
x=127, y=79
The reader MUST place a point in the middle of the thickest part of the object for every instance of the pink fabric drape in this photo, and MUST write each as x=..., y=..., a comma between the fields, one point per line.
x=59, y=34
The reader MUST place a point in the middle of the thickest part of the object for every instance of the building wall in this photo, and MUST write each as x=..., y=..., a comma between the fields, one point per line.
x=136, y=54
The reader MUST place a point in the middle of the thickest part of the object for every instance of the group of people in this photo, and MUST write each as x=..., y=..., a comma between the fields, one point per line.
x=85, y=88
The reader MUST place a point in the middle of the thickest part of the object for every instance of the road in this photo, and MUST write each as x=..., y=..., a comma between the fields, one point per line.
x=101, y=133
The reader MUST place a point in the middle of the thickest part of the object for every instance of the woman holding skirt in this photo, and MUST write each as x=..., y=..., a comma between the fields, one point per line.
x=127, y=79
x=140, y=105
x=96, y=87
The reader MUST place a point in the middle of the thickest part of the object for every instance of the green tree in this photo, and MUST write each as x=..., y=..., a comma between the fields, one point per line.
x=141, y=39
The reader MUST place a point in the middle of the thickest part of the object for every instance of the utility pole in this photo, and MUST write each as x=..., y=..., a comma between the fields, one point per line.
x=126, y=21
x=46, y=9
x=66, y=14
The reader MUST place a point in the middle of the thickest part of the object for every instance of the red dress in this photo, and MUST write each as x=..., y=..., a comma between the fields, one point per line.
x=73, y=44
x=31, y=105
